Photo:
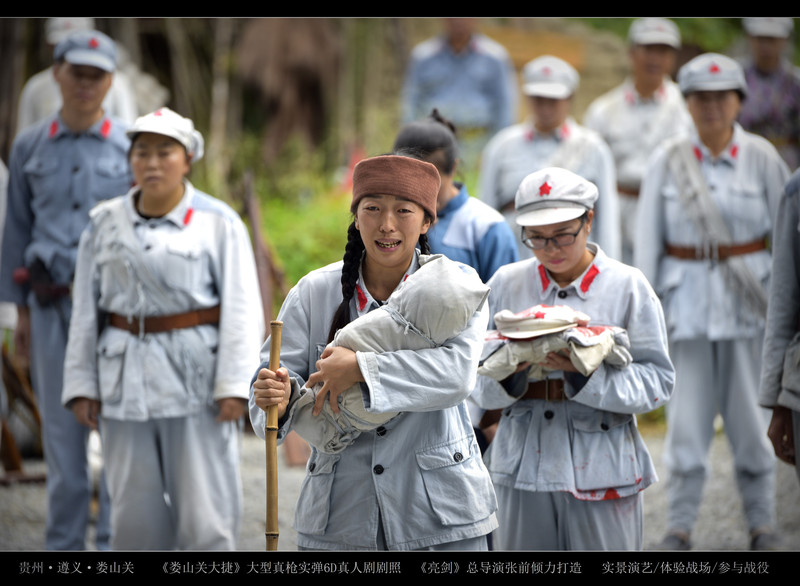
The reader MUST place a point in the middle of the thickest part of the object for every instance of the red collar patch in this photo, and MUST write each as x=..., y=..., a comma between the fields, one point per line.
x=543, y=276
x=586, y=282
x=362, y=298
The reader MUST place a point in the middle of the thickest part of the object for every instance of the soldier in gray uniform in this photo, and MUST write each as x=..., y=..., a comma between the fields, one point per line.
x=567, y=461
x=417, y=482
x=706, y=213
x=59, y=169
x=171, y=324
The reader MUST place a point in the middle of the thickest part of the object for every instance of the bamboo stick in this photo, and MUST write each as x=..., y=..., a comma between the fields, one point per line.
x=271, y=436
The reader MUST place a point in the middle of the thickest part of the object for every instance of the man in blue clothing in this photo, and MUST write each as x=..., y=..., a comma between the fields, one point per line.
x=59, y=168
x=469, y=78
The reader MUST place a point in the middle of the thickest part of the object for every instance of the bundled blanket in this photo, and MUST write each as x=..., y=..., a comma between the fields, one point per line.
x=434, y=304
x=530, y=335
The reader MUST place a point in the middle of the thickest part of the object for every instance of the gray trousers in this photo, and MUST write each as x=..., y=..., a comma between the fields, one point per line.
x=718, y=378
x=557, y=521
x=69, y=488
x=174, y=482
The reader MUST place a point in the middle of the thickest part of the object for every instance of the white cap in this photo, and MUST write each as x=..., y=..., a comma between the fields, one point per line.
x=712, y=72
x=654, y=31
x=57, y=29
x=549, y=77
x=769, y=27
x=165, y=121
x=552, y=195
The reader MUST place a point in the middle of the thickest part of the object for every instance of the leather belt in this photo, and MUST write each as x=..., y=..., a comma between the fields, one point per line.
x=164, y=323
x=715, y=252
x=629, y=191
x=549, y=389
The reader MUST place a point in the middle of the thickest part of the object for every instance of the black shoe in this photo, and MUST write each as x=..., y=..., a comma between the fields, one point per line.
x=765, y=541
x=675, y=541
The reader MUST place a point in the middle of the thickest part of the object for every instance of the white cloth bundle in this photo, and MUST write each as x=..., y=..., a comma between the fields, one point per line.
x=434, y=304
x=530, y=335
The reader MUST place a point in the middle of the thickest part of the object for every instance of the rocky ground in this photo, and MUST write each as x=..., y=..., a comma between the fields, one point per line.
x=720, y=526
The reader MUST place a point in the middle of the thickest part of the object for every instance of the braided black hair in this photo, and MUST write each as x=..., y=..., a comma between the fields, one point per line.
x=353, y=251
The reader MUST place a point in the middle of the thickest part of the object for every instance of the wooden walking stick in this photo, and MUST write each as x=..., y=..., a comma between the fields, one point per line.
x=271, y=436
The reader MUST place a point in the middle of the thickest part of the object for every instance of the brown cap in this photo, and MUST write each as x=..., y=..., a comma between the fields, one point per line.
x=400, y=176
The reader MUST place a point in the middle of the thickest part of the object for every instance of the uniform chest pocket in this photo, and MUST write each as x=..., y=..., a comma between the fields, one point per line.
x=748, y=207
x=111, y=178
x=184, y=266
x=678, y=226
x=44, y=178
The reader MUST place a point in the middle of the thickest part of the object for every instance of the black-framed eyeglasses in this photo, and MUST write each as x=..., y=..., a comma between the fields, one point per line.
x=559, y=241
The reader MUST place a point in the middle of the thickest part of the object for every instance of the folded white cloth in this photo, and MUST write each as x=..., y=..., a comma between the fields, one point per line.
x=434, y=304
x=538, y=321
x=518, y=340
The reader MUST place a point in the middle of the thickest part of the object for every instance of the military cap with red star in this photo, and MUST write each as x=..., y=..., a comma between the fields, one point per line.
x=552, y=195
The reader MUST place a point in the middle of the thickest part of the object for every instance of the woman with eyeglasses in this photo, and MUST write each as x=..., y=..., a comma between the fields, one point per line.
x=567, y=461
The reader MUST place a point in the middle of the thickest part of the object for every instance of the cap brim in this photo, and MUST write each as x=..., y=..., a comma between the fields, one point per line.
x=90, y=58
x=542, y=216
x=720, y=86
x=657, y=39
x=556, y=91
x=526, y=334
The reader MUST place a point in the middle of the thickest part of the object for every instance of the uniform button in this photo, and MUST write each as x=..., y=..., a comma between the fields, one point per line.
x=378, y=469
x=604, y=426
x=562, y=294
x=458, y=456
x=548, y=414
x=76, y=206
x=381, y=431
x=311, y=467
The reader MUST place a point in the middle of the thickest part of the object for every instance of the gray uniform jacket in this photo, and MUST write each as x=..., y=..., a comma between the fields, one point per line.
x=56, y=177
x=197, y=256
x=588, y=445
x=783, y=311
x=519, y=150
x=746, y=182
x=420, y=476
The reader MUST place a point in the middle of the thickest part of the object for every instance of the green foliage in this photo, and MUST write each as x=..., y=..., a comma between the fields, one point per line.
x=307, y=232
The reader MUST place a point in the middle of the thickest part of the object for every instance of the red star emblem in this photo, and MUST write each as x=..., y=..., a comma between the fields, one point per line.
x=93, y=44
x=544, y=189
x=539, y=315
x=714, y=68
x=546, y=71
